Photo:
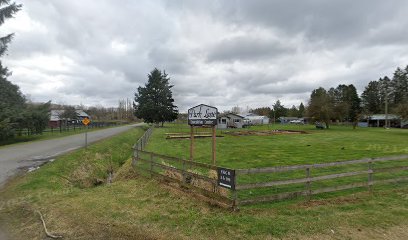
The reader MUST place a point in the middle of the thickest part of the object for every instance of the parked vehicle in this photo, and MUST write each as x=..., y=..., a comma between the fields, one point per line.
x=296, y=122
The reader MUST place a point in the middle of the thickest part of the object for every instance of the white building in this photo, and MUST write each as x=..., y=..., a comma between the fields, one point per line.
x=230, y=120
x=254, y=119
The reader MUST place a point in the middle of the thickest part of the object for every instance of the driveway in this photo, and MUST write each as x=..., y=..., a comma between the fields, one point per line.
x=27, y=156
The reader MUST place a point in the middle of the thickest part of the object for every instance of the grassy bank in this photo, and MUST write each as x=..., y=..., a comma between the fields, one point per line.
x=77, y=203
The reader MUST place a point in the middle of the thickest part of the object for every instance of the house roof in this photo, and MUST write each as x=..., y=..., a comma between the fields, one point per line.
x=229, y=115
x=81, y=113
x=256, y=117
x=55, y=114
x=288, y=118
x=383, y=116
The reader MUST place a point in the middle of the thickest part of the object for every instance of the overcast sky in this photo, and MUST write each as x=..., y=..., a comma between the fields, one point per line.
x=222, y=53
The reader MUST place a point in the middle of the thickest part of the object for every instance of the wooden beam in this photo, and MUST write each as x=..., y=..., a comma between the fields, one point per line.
x=299, y=180
x=317, y=165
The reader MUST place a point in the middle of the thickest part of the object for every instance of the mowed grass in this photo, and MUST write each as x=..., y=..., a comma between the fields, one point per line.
x=135, y=207
x=339, y=143
x=317, y=146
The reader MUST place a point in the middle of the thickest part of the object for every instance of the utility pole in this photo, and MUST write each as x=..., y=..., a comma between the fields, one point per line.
x=386, y=110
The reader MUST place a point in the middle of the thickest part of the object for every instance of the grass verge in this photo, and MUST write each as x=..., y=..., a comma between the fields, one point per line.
x=49, y=135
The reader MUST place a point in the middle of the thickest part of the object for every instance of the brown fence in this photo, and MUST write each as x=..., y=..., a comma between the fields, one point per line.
x=142, y=142
x=257, y=185
x=330, y=177
x=199, y=178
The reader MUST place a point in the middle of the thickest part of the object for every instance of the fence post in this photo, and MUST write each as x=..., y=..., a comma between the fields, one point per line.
x=370, y=176
x=235, y=195
x=137, y=156
x=308, y=185
x=183, y=170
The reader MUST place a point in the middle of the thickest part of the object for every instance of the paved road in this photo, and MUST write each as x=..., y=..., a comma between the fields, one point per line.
x=27, y=156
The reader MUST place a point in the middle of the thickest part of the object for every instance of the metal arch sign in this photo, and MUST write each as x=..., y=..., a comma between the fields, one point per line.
x=202, y=115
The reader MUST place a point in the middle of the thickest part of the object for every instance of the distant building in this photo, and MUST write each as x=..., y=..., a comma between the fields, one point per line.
x=378, y=120
x=230, y=120
x=254, y=119
x=285, y=120
x=56, y=120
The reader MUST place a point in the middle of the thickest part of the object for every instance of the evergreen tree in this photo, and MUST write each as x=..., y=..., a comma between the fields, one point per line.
x=7, y=10
x=371, y=99
x=399, y=85
x=320, y=106
x=263, y=111
x=278, y=110
x=11, y=104
x=293, y=111
x=354, y=102
x=154, y=103
x=14, y=112
x=301, y=111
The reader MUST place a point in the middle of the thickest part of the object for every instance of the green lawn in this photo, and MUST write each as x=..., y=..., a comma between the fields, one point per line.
x=134, y=207
x=318, y=146
x=339, y=143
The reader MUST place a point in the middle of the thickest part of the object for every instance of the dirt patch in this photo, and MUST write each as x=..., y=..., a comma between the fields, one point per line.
x=263, y=132
x=197, y=182
x=125, y=172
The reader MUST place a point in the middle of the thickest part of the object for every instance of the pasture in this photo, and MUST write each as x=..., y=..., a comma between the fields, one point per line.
x=317, y=146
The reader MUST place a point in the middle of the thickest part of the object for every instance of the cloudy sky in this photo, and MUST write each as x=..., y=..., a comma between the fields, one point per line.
x=223, y=53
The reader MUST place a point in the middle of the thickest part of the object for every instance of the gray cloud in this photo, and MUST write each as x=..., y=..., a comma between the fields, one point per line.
x=248, y=48
x=225, y=53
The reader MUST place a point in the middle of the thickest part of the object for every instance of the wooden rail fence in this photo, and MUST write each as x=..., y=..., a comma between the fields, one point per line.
x=202, y=177
x=197, y=177
x=308, y=179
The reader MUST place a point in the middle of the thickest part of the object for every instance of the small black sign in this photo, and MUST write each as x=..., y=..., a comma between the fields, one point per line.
x=226, y=178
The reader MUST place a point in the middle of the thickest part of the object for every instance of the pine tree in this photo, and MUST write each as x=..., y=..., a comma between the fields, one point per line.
x=7, y=10
x=301, y=112
x=11, y=103
x=371, y=99
x=278, y=110
x=154, y=103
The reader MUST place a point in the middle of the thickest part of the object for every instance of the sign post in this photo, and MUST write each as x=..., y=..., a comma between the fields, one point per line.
x=191, y=143
x=202, y=115
x=86, y=122
x=214, y=137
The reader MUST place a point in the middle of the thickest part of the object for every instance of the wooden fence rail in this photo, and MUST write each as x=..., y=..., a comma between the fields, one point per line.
x=181, y=171
x=309, y=179
x=185, y=175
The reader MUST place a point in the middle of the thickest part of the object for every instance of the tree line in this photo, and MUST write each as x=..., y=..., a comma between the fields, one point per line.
x=16, y=112
x=343, y=104
x=278, y=110
x=386, y=95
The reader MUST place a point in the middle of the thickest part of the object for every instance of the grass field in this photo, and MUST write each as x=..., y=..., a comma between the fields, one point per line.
x=75, y=204
x=318, y=146
x=339, y=143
